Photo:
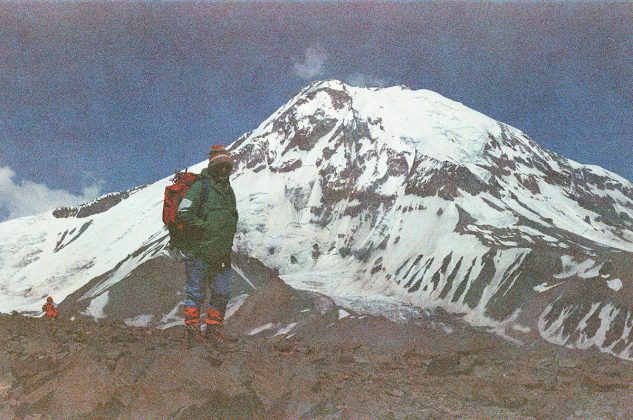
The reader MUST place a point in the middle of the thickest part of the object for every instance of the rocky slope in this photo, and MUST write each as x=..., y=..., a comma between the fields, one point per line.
x=334, y=365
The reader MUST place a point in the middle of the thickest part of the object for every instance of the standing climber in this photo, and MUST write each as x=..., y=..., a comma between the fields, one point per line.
x=50, y=309
x=209, y=215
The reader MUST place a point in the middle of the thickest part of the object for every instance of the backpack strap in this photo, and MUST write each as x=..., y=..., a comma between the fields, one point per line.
x=205, y=193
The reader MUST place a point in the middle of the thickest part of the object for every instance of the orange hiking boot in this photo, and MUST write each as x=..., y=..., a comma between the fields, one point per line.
x=192, y=323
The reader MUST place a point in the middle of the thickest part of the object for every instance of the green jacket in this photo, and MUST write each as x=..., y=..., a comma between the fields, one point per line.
x=210, y=225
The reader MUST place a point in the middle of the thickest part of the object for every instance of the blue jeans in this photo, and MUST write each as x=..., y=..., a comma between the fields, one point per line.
x=201, y=275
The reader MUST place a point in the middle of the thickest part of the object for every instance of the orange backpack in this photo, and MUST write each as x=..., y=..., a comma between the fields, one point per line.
x=174, y=193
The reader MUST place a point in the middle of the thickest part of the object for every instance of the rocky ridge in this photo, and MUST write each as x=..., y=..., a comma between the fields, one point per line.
x=332, y=367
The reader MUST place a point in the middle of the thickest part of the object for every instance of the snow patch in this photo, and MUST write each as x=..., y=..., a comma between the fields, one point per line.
x=615, y=284
x=97, y=305
x=286, y=329
x=544, y=287
x=554, y=333
x=343, y=314
x=259, y=329
x=172, y=319
x=234, y=305
x=139, y=321
x=521, y=328
x=585, y=269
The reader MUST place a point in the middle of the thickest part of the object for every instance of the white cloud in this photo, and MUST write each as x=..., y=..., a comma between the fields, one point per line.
x=363, y=80
x=25, y=198
x=312, y=64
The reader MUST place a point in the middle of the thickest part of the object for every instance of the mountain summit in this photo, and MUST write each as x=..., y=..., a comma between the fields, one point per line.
x=384, y=199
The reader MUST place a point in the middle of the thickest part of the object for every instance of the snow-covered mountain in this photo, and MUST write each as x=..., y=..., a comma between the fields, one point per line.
x=382, y=199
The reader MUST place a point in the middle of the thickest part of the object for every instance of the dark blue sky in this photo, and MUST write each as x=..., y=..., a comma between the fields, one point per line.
x=125, y=94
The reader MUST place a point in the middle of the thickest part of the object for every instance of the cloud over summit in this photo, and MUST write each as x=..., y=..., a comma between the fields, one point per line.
x=312, y=64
